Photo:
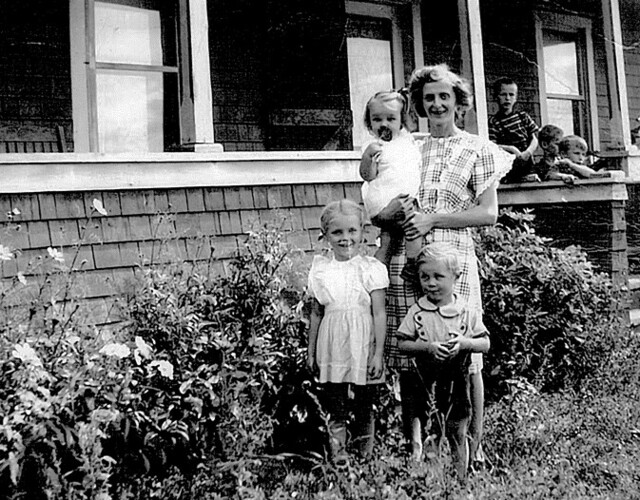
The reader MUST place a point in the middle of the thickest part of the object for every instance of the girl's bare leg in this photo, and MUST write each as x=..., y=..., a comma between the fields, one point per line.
x=416, y=439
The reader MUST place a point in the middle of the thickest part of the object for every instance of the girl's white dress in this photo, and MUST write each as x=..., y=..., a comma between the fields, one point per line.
x=345, y=338
x=398, y=173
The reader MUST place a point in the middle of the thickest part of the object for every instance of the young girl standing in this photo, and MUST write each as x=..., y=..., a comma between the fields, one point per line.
x=347, y=327
x=390, y=166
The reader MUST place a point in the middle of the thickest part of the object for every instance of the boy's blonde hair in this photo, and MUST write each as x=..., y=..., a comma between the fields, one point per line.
x=400, y=96
x=441, y=251
x=572, y=140
x=341, y=207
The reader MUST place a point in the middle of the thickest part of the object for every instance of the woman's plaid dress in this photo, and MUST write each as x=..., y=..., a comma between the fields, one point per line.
x=455, y=171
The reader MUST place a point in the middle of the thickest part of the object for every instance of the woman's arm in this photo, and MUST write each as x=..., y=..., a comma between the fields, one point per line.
x=317, y=312
x=484, y=213
x=379, y=332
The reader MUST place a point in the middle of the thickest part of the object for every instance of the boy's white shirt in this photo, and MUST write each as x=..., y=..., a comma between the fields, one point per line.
x=398, y=172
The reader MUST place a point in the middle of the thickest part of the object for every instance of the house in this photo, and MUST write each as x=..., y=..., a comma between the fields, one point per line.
x=224, y=111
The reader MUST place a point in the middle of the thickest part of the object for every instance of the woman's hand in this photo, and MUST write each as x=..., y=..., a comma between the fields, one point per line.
x=418, y=225
x=397, y=211
x=375, y=366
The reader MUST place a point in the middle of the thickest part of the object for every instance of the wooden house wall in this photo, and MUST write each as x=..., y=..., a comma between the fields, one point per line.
x=35, y=74
x=630, y=20
x=509, y=44
x=237, y=37
x=508, y=30
x=440, y=32
x=201, y=223
x=197, y=223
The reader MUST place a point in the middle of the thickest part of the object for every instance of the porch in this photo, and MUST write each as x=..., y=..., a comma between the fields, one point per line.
x=205, y=204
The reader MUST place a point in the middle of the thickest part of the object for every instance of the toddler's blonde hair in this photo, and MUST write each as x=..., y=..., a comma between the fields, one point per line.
x=570, y=140
x=441, y=251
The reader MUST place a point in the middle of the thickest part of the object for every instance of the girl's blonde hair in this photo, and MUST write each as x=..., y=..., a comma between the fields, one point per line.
x=337, y=208
x=402, y=96
x=441, y=251
x=438, y=73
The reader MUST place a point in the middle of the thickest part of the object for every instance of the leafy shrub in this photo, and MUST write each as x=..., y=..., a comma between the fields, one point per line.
x=50, y=366
x=233, y=342
x=553, y=318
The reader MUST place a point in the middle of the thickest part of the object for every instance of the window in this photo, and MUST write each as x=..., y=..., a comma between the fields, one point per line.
x=567, y=88
x=131, y=76
x=374, y=52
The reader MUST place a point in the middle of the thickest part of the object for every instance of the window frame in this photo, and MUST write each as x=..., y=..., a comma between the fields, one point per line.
x=195, y=115
x=582, y=27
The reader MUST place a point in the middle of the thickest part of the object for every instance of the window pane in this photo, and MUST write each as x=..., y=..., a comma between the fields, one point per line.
x=369, y=72
x=561, y=64
x=127, y=34
x=130, y=111
x=560, y=113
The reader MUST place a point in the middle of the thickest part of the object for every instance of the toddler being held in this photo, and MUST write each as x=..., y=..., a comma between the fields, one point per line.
x=390, y=165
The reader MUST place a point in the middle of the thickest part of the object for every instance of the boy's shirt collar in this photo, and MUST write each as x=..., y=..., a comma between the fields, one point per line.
x=450, y=310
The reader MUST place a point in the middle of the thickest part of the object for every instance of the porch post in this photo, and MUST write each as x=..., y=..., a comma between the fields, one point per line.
x=473, y=63
x=619, y=119
x=196, y=103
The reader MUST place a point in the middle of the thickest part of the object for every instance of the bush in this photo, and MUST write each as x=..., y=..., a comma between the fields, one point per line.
x=233, y=341
x=553, y=319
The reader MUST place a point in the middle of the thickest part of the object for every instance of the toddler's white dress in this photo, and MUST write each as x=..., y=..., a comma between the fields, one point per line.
x=345, y=338
x=398, y=173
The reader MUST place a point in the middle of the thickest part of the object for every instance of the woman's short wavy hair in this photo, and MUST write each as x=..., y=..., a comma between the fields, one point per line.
x=439, y=72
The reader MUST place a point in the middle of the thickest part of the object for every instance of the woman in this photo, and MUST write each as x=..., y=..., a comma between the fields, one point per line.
x=459, y=177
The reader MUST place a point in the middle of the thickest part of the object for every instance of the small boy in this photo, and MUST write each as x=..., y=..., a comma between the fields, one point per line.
x=513, y=131
x=441, y=333
x=573, y=151
x=547, y=168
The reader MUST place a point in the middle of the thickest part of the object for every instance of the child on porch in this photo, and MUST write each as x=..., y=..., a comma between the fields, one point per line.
x=573, y=151
x=441, y=332
x=547, y=168
x=347, y=328
x=390, y=165
x=513, y=131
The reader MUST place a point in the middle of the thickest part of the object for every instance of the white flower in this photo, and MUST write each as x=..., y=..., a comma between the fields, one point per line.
x=26, y=354
x=142, y=349
x=104, y=415
x=5, y=253
x=164, y=367
x=115, y=349
x=99, y=207
x=21, y=278
x=55, y=254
